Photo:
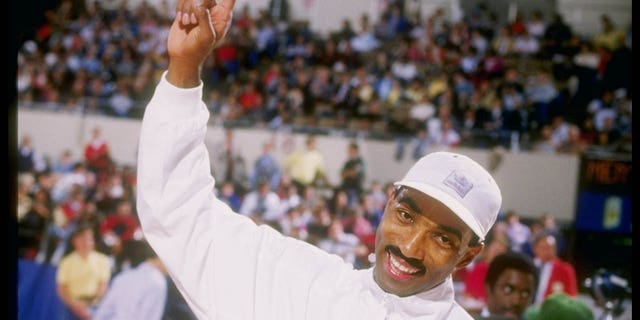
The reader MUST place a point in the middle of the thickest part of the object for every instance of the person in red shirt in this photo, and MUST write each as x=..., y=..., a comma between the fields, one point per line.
x=97, y=155
x=244, y=21
x=250, y=100
x=555, y=275
x=518, y=27
x=474, y=285
x=120, y=226
x=226, y=56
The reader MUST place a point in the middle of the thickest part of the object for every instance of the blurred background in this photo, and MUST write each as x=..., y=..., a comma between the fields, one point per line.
x=538, y=92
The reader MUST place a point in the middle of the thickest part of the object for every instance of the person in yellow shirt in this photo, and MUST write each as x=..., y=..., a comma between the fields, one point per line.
x=610, y=37
x=82, y=276
x=306, y=167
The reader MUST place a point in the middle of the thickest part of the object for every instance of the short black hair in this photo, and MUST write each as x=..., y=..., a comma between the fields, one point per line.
x=510, y=260
x=137, y=251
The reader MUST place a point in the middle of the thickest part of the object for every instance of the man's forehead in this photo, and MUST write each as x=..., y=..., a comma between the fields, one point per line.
x=432, y=209
x=423, y=201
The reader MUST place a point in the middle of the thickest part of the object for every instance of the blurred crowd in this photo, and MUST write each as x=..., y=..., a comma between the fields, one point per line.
x=531, y=83
x=423, y=82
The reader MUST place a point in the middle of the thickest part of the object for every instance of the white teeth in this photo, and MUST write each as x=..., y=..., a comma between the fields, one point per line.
x=398, y=265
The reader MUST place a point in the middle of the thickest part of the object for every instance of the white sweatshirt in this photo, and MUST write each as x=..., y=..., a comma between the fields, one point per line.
x=225, y=265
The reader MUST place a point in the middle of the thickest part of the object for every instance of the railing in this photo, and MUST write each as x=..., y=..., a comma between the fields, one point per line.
x=353, y=128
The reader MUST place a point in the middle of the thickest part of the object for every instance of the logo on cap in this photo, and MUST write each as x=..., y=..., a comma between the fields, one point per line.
x=458, y=183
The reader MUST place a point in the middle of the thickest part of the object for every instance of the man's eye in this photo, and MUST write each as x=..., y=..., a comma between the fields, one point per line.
x=525, y=294
x=507, y=289
x=406, y=216
x=445, y=241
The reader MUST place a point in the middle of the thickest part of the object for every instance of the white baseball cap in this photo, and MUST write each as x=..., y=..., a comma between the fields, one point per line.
x=461, y=184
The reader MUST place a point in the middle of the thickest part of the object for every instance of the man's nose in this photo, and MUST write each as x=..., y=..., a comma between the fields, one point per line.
x=414, y=244
x=513, y=299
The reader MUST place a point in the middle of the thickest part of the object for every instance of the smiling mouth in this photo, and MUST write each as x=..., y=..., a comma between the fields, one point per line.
x=399, y=269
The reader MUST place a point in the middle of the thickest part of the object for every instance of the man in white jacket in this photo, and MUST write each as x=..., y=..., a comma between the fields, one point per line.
x=227, y=267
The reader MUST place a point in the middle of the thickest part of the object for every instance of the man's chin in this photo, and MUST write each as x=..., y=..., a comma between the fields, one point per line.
x=387, y=284
x=382, y=280
x=509, y=315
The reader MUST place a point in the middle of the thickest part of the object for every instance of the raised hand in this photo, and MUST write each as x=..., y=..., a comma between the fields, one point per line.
x=199, y=26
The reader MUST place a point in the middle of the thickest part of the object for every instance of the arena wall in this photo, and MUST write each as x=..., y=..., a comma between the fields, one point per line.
x=531, y=183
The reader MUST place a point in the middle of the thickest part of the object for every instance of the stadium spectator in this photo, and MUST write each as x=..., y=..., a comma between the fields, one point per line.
x=137, y=293
x=556, y=275
x=82, y=277
x=97, y=154
x=510, y=283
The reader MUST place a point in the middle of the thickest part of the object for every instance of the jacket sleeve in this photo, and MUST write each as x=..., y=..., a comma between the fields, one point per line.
x=224, y=265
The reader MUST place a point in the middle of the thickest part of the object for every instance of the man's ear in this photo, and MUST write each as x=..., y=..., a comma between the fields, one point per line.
x=472, y=253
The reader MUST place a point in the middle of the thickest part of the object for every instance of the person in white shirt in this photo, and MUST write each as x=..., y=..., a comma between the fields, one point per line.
x=340, y=242
x=518, y=232
x=137, y=293
x=227, y=267
x=447, y=137
x=261, y=204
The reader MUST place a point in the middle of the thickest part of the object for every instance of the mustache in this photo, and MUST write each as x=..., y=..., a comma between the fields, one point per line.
x=412, y=261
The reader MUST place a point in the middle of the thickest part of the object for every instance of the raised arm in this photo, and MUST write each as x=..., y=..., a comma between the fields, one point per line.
x=224, y=265
x=179, y=214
